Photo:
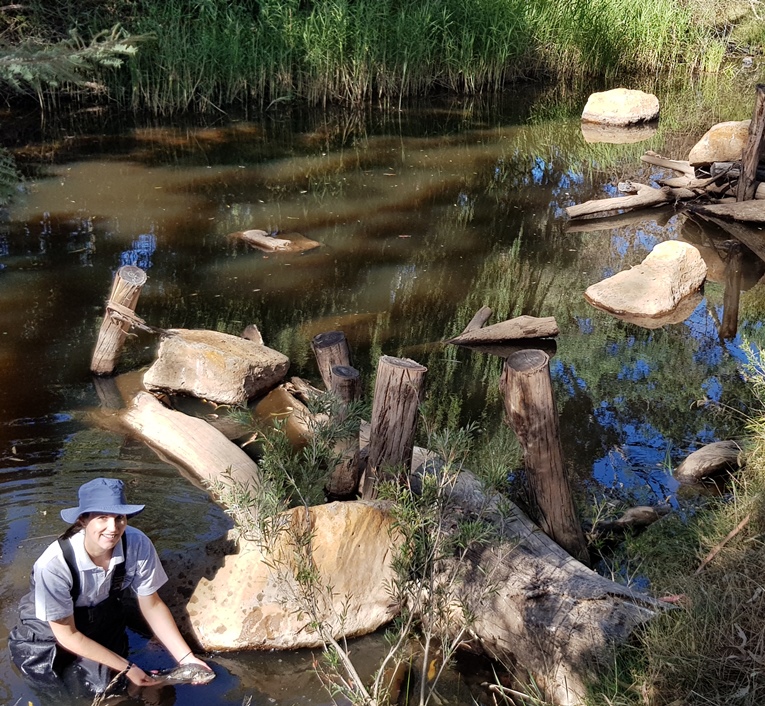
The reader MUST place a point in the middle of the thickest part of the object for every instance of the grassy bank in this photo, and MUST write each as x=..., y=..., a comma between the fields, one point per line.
x=210, y=53
x=710, y=649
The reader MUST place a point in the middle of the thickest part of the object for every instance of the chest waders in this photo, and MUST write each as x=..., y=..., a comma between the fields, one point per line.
x=41, y=659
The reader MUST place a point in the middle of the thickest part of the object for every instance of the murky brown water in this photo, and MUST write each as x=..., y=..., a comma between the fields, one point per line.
x=422, y=217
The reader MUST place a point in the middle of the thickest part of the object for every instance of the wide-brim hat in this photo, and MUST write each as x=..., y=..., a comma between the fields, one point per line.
x=104, y=495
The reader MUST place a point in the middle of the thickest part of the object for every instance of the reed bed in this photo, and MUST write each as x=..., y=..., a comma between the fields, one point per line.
x=210, y=53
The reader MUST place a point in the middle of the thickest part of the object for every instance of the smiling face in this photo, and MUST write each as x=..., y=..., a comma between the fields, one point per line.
x=102, y=533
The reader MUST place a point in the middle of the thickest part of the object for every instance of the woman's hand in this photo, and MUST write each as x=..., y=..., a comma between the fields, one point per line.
x=138, y=677
x=193, y=659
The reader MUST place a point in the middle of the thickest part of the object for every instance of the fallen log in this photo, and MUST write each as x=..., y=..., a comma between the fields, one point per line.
x=201, y=452
x=646, y=196
x=479, y=320
x=535, y=607
x=708, y=460
x=519, y=328
x=266, y=242
x=752, y=211
x=682, y=166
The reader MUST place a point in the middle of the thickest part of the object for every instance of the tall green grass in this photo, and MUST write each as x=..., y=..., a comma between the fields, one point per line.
x=210, y=53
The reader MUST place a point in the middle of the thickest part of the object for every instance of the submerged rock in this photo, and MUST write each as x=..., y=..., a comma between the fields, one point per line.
x=672, y=271
x=621, y=106
x=215, y=366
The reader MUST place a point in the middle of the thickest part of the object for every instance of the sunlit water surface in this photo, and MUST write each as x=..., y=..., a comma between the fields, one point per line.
x=423, y=216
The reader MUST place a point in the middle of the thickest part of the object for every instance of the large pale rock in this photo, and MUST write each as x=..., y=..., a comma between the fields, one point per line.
x=249, y=601
x=723, y=142
x=672, y=271
x=709, y=460
x=621, y=106
x=215, y=366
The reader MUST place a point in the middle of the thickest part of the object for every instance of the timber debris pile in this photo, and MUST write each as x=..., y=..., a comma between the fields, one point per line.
x=720, y=179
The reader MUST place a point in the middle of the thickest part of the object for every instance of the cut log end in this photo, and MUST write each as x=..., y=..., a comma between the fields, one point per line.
x=528, y=360
x=132, y=275
x=328, y=339
x=403, y=363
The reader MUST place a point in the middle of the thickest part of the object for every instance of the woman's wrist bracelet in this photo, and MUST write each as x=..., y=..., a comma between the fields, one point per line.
x=180, y=661
x=130, y=665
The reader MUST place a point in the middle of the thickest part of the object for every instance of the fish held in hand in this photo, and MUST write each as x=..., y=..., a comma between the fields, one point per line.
x=183, y=674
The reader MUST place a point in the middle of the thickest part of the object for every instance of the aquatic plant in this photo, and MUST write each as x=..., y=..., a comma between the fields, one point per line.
x=210, y=53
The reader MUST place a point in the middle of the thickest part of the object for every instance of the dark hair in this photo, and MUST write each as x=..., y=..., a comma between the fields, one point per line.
x=76, y=527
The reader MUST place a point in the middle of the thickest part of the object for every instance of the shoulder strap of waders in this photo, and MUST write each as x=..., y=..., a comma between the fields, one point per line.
x=119, y=571
x=117, y=577
x=68, y=552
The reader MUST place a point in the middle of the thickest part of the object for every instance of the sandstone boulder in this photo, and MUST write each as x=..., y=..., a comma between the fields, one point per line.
x=621, y=106
x=723, y=142
x=215, y=366
x=672, y=271
x=248, y=601
x=709, y=460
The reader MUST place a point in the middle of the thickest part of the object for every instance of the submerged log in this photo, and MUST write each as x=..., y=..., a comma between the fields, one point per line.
x=330, y=348
x=535, y=607
x=126, y=288
x=530, y=407
x=519, y=328
x=266, y=242
x=399, y=388
x=191, y=444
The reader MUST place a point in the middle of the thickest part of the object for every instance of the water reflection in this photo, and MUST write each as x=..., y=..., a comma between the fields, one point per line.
x=422, y=220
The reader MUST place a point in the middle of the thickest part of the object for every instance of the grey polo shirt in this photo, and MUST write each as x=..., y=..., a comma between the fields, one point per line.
x=53, y=580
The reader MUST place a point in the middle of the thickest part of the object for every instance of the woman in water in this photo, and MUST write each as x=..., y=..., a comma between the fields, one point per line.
x=72, y=619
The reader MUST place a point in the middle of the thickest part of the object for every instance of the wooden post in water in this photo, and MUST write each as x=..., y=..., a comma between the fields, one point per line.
x=530, y=407
x=732, y=294
x=752, y=150
x=399, y=388
x=346, y=384
x=330, y=348
x=126, y=288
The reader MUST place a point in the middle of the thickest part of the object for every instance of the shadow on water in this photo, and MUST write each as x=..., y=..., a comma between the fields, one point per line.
x=424, y=216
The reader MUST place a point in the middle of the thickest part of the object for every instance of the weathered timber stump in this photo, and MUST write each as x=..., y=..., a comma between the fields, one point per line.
x=399, y=387
x=346, y=384
x=753, y=149
x=330, y=348
x=126, y=288
x=531, y=411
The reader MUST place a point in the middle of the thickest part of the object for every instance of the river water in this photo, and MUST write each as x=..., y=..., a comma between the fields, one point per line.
x=423, y=214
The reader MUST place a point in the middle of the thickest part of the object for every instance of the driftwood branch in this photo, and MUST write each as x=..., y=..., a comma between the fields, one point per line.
x=645, y=197
x=684, y=167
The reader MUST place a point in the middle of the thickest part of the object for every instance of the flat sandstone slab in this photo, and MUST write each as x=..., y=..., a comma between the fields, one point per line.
x=621, y=106
x=672, y=271
x=215, y=366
